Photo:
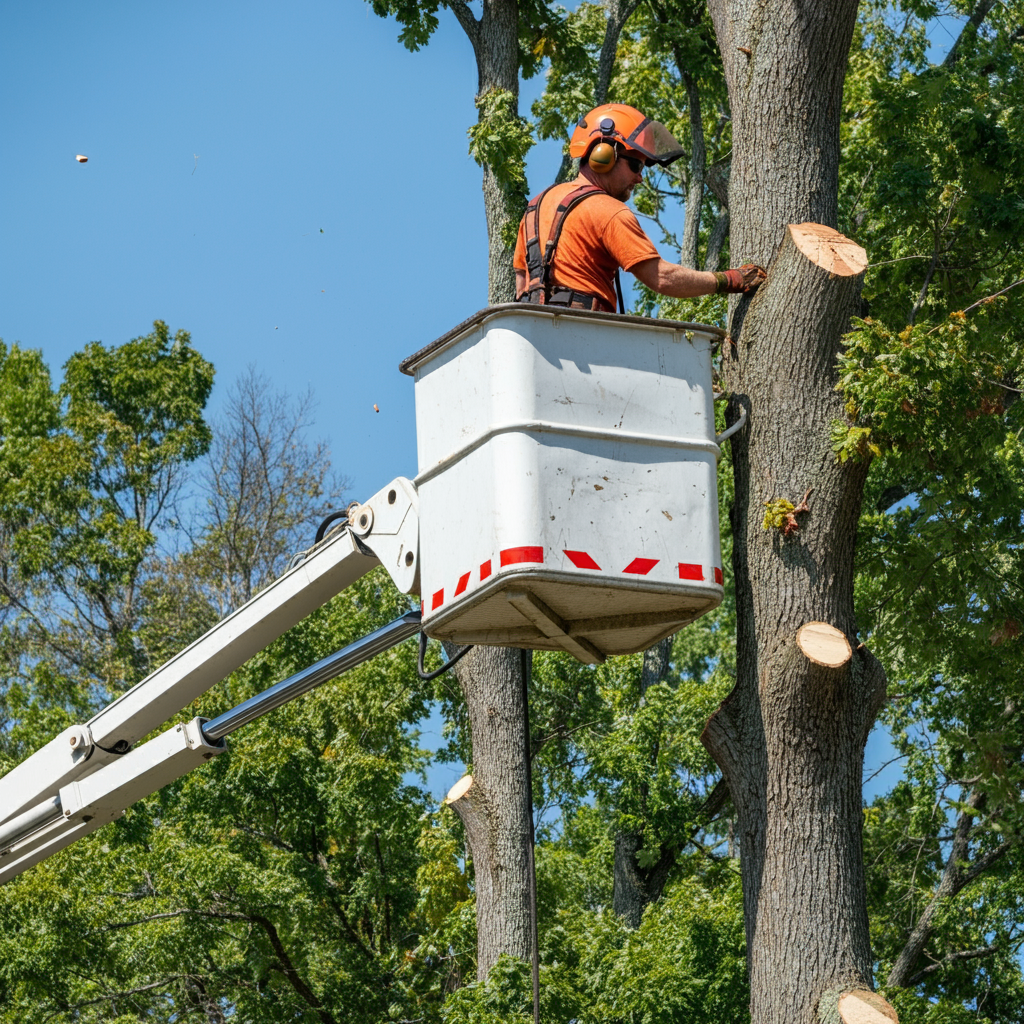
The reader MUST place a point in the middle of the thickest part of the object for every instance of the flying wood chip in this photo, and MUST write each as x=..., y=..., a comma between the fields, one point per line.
x=375, y=409
x=82, y=159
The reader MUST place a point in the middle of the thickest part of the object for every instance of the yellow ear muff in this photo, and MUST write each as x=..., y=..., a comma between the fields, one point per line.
x=602, y=157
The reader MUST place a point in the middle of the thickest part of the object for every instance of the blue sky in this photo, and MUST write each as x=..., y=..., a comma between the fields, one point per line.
x=286, y=182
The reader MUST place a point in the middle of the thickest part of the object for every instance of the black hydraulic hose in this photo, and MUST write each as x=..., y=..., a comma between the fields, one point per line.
x=423, y=673
x=322, y=528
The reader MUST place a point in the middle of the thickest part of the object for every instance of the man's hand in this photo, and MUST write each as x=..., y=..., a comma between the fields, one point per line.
x=739, y=280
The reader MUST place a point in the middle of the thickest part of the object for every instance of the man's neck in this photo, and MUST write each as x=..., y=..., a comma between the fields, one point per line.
x=594, y=179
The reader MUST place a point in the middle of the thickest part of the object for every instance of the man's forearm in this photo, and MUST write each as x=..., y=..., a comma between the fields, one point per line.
x=674, y=280
x=680, y=282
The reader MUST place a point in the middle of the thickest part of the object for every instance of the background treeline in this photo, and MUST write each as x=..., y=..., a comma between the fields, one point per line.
x=303, y=876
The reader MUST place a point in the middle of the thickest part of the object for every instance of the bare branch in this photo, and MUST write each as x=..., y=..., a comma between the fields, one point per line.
x=288, y=969
x=332, y=888
x=982, y=864
x=120, y=995
x=989, y=298
x=937, y=251
x=466, y=19
x=619, y=12
x=954, y=880
x=716, y=240
x=967, y=954
x=717, y=179
x=971, y=27
x=698, y=169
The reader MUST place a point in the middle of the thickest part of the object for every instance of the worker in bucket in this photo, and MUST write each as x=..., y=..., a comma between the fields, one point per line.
x=589, y=232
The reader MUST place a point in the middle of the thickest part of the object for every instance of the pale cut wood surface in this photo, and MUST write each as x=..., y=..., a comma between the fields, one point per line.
x=830, y=250
x=823, y=644
x=864, y=1007
x=459, y=790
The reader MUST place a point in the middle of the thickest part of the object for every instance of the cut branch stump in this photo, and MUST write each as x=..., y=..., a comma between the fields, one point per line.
x=823, y=644
x=834, y=253
x=466, y=800
x=863, y=1007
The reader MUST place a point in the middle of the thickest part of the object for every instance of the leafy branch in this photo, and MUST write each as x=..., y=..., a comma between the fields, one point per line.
x=501, y=139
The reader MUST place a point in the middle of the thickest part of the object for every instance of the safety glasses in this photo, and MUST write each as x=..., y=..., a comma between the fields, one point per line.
x=636, y=165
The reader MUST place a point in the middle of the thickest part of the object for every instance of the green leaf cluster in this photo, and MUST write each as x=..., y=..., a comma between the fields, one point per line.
x=501, y=139
x=930, y=393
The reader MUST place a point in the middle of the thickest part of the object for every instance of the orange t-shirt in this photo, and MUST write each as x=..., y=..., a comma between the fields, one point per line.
x=599, y=235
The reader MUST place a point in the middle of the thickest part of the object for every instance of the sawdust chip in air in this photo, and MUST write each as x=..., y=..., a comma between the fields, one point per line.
x=82, y=159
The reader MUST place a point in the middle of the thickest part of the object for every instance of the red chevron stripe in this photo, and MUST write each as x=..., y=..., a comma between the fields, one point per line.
x=641, y=566
x=581, y=560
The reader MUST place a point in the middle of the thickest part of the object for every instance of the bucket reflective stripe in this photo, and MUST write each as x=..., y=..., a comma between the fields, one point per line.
x=581, y=559
x=510, y=556
x=641, y=566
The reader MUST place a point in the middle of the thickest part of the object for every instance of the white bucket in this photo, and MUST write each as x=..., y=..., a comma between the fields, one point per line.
x=567, y=490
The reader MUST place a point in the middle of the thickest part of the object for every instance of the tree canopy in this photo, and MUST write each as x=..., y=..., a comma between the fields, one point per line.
x=309, y=873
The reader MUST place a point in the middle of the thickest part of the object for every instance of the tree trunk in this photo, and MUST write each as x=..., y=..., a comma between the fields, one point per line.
x=790, y=737
x=496, y=809
x=698, y=168
x=495, y=39
x=619, y=12
x=492, y=678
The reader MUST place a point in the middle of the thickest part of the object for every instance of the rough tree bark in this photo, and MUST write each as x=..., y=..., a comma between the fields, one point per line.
x=496, y=808
x=495, y=39
x=790, y=737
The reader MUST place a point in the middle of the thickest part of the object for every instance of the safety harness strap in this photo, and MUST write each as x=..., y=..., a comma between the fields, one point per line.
x=541, y=289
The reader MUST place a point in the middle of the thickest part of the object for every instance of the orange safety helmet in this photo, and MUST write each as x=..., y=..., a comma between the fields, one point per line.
x=617, y=123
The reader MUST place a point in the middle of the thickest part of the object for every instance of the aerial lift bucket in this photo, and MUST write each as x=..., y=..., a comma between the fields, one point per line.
x=566, y=487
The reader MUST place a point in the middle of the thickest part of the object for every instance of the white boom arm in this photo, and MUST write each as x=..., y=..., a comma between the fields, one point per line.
x=89, y=773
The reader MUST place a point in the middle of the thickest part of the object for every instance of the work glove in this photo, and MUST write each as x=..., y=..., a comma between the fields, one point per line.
x=739, y=280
